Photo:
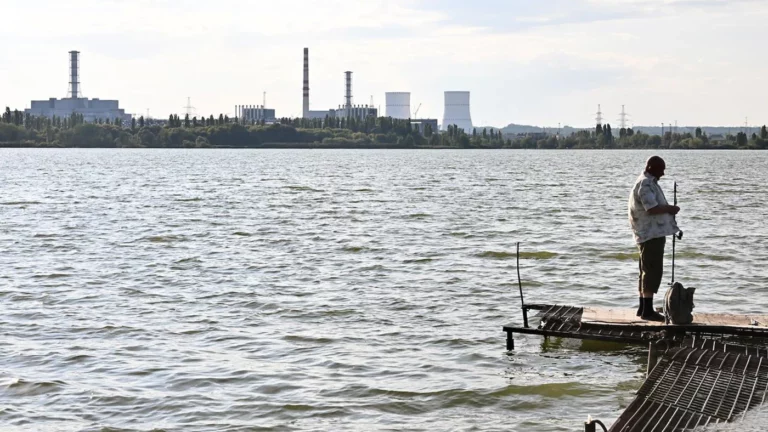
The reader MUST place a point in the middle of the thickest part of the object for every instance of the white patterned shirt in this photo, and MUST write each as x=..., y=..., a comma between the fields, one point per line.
x=645, y=195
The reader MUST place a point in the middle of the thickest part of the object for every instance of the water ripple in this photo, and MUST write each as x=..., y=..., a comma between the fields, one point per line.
x=284, y=290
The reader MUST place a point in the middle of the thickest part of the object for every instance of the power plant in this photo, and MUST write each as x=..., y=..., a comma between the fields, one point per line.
x=347, y=109
x=90, y=109
x=398, y=105
x=457, y=110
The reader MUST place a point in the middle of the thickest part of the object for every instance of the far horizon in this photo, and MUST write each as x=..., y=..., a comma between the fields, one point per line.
x=539, y=64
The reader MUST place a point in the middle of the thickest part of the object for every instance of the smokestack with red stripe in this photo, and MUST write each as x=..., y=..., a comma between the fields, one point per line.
x=306, y=83
x=348, y=92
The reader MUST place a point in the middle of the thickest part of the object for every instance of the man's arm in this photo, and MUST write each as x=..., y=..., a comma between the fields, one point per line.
x=649, y=202
x=662, y=209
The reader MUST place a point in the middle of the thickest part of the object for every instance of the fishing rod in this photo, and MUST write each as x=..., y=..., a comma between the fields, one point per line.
x=675, y=236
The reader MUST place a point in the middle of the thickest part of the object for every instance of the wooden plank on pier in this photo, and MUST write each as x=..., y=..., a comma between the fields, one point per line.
x=626, y=317
x=731, y=320
x=621, y=325
x=613, y=316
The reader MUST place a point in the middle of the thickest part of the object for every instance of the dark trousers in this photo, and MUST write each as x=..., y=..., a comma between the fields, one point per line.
x=651, y=266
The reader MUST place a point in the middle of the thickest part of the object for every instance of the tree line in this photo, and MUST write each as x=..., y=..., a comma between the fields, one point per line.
x=19, y=129
x=330, y=132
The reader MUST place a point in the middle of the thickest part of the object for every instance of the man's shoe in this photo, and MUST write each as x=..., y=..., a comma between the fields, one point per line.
x=653, y=316
x=640, y=307
x=648, y=313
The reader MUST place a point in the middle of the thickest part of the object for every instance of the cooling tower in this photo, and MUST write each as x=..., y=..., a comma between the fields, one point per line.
x=398, y=105
x=457, y=110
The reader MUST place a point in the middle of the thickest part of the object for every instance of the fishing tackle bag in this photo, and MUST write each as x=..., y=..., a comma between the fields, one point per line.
x=678, y=304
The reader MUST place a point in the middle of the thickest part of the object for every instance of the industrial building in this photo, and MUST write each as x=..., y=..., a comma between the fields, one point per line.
x=346, y=110
x=398, y=105
x=457, y=110
x=255, y=113
x=90, y=109
x=354, y=111
x=419, y=125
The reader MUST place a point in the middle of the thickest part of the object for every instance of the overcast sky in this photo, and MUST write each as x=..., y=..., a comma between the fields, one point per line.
x=700, y=62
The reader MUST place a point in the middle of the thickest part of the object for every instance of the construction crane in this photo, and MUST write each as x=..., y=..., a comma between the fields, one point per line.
x=416, y=113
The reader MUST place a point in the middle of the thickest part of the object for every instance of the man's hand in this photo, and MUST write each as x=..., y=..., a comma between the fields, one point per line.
x=661, y=209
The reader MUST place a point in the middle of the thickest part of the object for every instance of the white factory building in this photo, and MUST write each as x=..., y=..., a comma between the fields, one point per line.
x=254, y=113
x=90, y=109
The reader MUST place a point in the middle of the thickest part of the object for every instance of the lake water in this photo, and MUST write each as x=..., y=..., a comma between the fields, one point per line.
x=284, y=290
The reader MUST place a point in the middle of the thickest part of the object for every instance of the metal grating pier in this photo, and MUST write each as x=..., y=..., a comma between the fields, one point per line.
x=565, y=321
x=701, y=383
x=713, y=371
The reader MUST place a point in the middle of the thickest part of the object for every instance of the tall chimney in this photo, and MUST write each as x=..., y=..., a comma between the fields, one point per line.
x=348, y=95
x=74, y=84
x=306, y=83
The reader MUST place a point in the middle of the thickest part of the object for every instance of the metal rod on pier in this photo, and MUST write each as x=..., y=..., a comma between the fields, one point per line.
x=520, y=285
x=674, y=236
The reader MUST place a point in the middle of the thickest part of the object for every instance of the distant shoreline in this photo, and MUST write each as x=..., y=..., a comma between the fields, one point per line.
x=368, y=133
x=320, y=146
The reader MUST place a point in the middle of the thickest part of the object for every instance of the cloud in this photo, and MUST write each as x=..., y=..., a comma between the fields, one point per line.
x=207, y=19
x=542, y=62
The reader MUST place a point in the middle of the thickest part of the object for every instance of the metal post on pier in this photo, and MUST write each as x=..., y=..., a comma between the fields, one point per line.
x=653, y=357
x=520, y=285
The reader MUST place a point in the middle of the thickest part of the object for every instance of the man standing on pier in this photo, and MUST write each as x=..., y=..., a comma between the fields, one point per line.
x=652, y=220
